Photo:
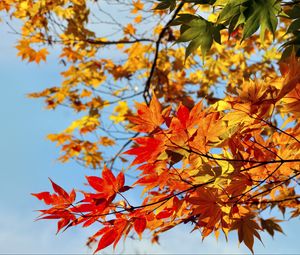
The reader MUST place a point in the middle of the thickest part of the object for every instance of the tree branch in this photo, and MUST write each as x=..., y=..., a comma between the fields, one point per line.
x=101, y=42
x=147, y=96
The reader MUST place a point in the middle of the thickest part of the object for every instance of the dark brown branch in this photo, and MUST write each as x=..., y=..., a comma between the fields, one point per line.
x=256, y=186
x=238, y=160
x=276, y=201
x=100, y=42
x=268, y=149
x=155, y=203
x=281, y=183
x=147, y=96
x=277, y=128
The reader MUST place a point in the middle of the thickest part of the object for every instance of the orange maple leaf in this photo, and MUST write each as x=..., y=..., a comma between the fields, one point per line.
x=207, y=209
x=247, y=229
x=291, y=73
x=148, y=118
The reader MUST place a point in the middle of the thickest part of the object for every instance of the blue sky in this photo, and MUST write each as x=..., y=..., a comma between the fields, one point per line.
x=28, y=159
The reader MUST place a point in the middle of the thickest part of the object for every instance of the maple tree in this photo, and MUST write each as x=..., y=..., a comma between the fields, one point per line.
x=213, y=135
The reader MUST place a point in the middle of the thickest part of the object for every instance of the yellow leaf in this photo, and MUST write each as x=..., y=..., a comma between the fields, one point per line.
x=138, y=19
x=105, y=141
x=119, y=112
x=84, y=125
x=129, y=29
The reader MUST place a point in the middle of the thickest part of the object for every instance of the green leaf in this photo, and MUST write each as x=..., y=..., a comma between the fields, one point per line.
x=286, y=52
x=231, y=9
x=183, y=19
x=295, y=25
x=263, y=14
x=198, y=31
x=220, y=3
x=211, y=2
x=216, y=33
x=203, y=41
x=294, y=13
x=251, y=26
x=166, y=4
x=193, y=46
x=189, y=34
x=253, y=14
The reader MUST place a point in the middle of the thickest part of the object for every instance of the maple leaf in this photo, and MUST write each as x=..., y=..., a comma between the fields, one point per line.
x=185, y=124
x=46, y=196
x=291, y=103
x=271, y=225
x=61, y=198
x=139, y=225
x=129, y=29
x=108, y=185
x=238, y=184
x=210, y=131
x=106, y=141
x=119, y=112
x=290, y=70
x=84, y=125
x=164, y=214
x=138, y=6
x=147, y=150
x=247, y=229
x=107, y=239
x=41, y=55
x=147, y=118
x=60, y=202
x=207, y=209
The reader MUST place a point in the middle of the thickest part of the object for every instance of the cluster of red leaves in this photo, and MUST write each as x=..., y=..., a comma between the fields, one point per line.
x=216, y=167
x=94, y=207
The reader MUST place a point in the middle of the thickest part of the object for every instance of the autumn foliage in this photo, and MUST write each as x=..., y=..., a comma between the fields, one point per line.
x=197, y=101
